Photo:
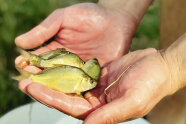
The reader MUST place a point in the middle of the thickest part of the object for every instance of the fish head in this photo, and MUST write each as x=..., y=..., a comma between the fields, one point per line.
x=34, y=60
x=92, y=68
x=88, y=84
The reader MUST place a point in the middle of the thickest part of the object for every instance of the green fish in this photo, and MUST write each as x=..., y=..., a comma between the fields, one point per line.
x=92, y=68
x=53, y=59
x=66, y=79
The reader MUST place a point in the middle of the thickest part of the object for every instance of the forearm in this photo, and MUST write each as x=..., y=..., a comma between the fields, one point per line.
x=136, y=8
x=175, y=55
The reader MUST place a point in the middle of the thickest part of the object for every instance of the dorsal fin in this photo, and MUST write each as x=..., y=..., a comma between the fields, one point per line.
x=18, y=78
x=53, y=53
x=24, y=73
x=24, y=53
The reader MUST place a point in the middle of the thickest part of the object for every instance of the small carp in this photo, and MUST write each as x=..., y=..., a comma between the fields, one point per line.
x=53, y=59
x=66, y=79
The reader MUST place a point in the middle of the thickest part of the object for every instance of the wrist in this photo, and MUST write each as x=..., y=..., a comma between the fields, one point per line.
x=136, y=8
x=175, y=58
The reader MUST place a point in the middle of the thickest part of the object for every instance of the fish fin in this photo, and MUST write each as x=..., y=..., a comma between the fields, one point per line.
x=18, y=78
x=51, y=54
x=24, y=73
x=24, y=53
x=78, y=93
x=55, y=65
x=114, y=82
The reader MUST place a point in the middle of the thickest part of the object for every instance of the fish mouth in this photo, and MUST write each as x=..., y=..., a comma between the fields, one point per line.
x=93, y=85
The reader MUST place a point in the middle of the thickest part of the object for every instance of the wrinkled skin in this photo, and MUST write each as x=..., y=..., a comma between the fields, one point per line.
x=85, y=29
x=94, y=32
x=131, y=97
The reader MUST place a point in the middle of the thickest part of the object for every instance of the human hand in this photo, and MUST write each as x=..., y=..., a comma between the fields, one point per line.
x=141, y=87
x=86, y=29
x=94, y=40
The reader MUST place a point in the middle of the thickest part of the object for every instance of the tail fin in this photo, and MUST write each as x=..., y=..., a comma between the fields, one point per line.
x=23, y=73
x=24, y=53
x=18, y=78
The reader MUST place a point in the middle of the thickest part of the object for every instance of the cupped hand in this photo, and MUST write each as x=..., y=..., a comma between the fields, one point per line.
x=88, y=30
x=85, y=29
x=145, y=82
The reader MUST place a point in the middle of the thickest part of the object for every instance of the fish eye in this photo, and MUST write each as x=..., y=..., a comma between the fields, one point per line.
x=91, y=81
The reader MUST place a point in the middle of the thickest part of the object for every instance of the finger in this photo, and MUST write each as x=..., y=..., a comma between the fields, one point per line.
x=32, y=69
x=20, y=61
x=23, y=84
x=72, y=105
x=95, y=98
x=41, y=33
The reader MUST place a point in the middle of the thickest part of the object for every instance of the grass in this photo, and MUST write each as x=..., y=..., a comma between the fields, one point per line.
x=18, y=16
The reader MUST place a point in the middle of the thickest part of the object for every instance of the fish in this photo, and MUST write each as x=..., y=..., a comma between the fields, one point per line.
x=92, y=68
x=65, y=79
x=67, y=59
x=53, y=59
x=63, y=71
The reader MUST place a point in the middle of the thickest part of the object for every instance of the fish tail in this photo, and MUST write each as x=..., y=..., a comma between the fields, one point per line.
x=18, y=78
x=23, y=73
x=24, y=53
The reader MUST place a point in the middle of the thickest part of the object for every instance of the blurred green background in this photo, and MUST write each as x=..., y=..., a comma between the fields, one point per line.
x=18, y=16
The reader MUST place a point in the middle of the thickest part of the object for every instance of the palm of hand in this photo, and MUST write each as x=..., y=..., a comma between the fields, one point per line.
x=145, y=77
x=86, y=29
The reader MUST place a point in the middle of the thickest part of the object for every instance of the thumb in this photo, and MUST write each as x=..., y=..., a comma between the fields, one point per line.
x=118, y=110
x=41, y=33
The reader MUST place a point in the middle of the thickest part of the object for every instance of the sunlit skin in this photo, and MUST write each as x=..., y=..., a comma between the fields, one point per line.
x=89, y=31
